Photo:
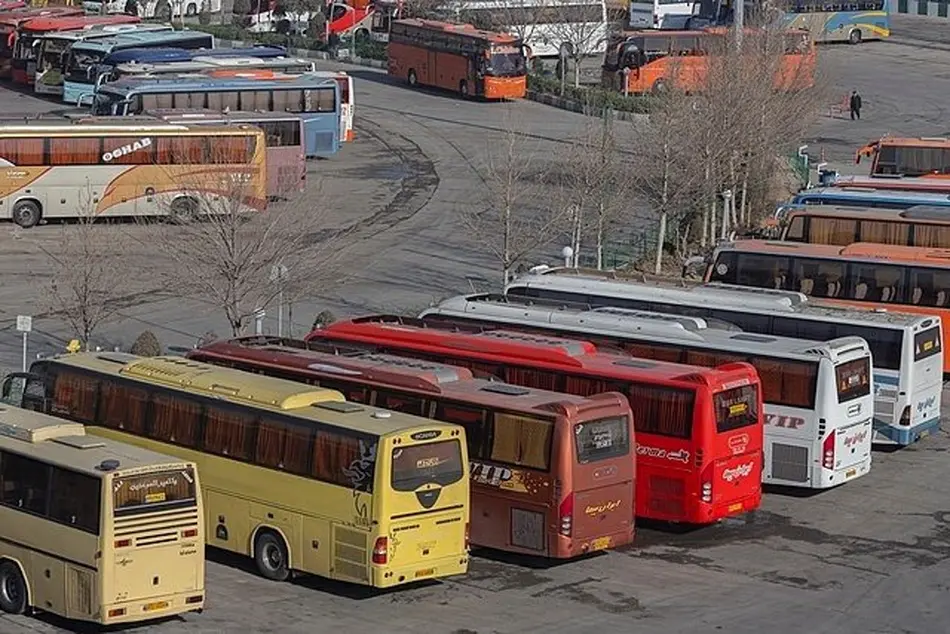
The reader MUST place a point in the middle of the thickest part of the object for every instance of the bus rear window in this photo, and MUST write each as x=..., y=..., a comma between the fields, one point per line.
x=602, y=439
x=853, y=379
x=737, y=408
x=927, y=343
x=431, y=463
x=154, y=491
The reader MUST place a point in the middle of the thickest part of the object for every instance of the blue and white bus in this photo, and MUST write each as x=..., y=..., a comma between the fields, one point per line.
x=879, y=198
x=315, y=99
x=168, y=54
x=83, y=62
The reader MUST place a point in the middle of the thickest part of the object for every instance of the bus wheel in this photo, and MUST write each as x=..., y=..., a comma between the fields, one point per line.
x=184, y=210
x=270, y=555
x=12, y=589
x=26, y=213
x=413, y=79
x=854, y=37
x=660, y=87
x=463, y=89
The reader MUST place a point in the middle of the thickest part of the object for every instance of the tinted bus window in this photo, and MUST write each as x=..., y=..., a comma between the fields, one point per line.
x=434, y=462
x=601, y=439
x=662, y=411
x=929, y=287
x=280, y=133
x=853, y=379
x=736, y=408
x=876, y=283
x=927, y=344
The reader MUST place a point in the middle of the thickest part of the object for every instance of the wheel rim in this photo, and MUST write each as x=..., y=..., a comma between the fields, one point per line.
x=10, y=589
x=23, y=216
x=273, y=558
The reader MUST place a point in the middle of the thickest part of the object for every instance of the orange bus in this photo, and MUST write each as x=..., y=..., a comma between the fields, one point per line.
x=458, y=57
x=893, y=182
x=12, y=21
x=552, y=474
x=899, y=156
x=868, y=275
x=646, y=61
x=919, y=226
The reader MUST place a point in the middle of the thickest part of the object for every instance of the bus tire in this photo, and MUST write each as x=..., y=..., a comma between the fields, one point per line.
x=270, y=555
x=27, y=213
x=413, y=79
x=463, y=89
x=361, y=35
x=184, y=210
x=854, y=37
x=660, y=87
x=13, y=592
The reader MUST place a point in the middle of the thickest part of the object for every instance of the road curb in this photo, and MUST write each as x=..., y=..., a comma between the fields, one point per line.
x=579, y=107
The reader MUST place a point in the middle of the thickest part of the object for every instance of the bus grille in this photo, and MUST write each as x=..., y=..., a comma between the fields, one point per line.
x=789, y=463
x=667, y=496
x=151, y=529
x=350, y=553
x=324, y=141
x=79, y=591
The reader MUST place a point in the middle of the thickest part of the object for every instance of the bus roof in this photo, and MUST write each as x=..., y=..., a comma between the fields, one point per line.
x=266, y=393
x=464, y=30
x=184, y=115
x=721, y=296
x=624, y=322
x=398, y=372
x=65, y=444
x=174, y=54
x=568, y=353
x=18, y=16
x=158, y=128
x=872, y=195
x=132, y=85
x=130, y=40
x=75, y=22
x=927, y=213
x=893, y=182
x=202, y=62
x=859, y=251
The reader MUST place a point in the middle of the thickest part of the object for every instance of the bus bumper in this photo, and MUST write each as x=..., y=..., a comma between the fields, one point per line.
x=387, y=577
x=889, y=434
x=505, y=87
x=152, y=608
x=576, y=548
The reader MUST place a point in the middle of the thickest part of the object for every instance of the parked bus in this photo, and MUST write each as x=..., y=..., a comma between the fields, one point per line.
x=286, y=467
x=202, y=64
x=922, y=156
x=68, y=171
x=92, y=529
x=826, y=224
x=907, y=386
x=894, y=183
x=859, y=197
x=165, y=54
x=458, y=57
x=817, y=395
x=25, y=49
x=149, y=8
x=552, y=474
x=698, y=430
x=85, y=59
x=384, y=12
x=11, y=5
x=547, y=29
x=10, y=23
x=652, y=61
x=52, y=52
x=316, y=100
x=660, y=14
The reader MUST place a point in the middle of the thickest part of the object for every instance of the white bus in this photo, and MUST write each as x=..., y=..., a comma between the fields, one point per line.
x=92, y=529
x=660, y=14
x=818, y=401
x=547, y=27
x=907, y=386
x=153, y=8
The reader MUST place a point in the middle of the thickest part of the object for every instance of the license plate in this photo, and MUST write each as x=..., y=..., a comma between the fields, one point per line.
x=428, y=572
x=735, y=507
x=600, y=543
x=850, y=472
x=157, y=605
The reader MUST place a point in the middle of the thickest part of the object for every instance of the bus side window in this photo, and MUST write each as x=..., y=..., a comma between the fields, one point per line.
x=75, y=500
x=175, y=419
x=881, y=232
x=935, y=236
x=123, y=407
x=540, y=379
x=523, y=441
x=400, y=402
x=796, y=230
x=285, y=446
x=227, y=431
x=761, y=271
x=670, y=354
x=334, y=454
x=75, y=396
x=662, y=411
x=25, y=483
x=829, y=230
x=478, y=431
x=876, y=283
x=724, y=269
x=803, y=329
x=929, y=287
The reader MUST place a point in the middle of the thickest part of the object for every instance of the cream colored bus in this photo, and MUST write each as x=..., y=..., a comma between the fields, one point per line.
x=123, y=170
x=293, y=475
x=95, y=530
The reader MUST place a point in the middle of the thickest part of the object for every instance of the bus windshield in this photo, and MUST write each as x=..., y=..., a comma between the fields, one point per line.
x=506, y=61
x=854, y=379
x=154, y=491
x=430, y=463
x=80, y=64
x=602, y=439
x=736, y=408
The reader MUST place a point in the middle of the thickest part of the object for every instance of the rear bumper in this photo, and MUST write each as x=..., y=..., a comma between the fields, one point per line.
x=139, y=610
x=827, y=479
x=505, y=88
x=567, y=548
x=387, y=577
x=711, y=513
x=890, y=434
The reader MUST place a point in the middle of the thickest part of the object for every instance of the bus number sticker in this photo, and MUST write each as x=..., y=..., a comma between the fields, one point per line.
x=428, y=463
x=154, y=498
x=737, y=409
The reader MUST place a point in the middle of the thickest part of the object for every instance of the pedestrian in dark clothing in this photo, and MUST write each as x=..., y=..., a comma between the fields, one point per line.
x=855, y=105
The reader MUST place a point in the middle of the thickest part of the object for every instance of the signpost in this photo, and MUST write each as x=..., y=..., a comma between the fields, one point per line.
x=24, y=324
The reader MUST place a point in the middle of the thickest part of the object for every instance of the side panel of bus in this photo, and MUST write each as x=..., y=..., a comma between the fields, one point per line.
x=430, y=68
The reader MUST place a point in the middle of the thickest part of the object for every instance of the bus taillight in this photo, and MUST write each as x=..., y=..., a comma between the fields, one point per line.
x=706, y=491
x=381, y=550
x=189, y=532
x=468, y=534
x=828, y=451
x=905, y=417
x=567, y=515
x=123, y=543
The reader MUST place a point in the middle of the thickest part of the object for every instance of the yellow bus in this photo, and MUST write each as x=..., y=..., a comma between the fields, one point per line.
x=95, y=530
x=293, y=476
x=123, y=170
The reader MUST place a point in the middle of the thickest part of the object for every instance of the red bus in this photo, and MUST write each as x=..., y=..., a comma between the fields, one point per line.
x=10, y=5
x=698, y=430
x=10, y=23
x=24, y=53
x=552, y=474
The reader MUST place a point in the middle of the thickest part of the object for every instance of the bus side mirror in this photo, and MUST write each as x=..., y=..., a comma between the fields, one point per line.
x=11, y=392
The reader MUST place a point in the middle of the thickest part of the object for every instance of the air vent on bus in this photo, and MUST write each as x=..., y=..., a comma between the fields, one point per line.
x=120, y=358
x=637, y=363
x=340, y=406
x=753, y=338
x=506, y=388
x=280, y=349
x=80, y=442
x=333, y=369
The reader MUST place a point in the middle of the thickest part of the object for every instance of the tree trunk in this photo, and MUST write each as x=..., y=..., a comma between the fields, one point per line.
x=600, y=237
x=660, y=240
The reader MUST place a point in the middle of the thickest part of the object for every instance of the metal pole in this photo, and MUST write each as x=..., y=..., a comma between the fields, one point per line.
x=738, y=19
x=25, y=335
x=280, y=313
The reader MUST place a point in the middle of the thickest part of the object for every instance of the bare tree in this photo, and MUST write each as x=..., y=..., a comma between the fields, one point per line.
x=89, y=271
x=515, y=222
x=220, y=245
x=577, y=29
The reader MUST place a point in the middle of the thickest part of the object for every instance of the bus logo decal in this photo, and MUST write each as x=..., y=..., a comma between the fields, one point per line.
x=680, y=455
x=738, y=473
x=926, y=404
x=426, y=435
x=739, y=443
x=127, y=149
x=856, y=439
x=787, y=422
x=604, y=507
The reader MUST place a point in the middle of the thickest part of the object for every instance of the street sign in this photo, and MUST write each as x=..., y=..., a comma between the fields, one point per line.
x=24, y=323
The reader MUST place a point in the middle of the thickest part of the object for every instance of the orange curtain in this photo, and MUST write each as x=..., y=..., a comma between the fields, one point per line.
x=123, y=407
